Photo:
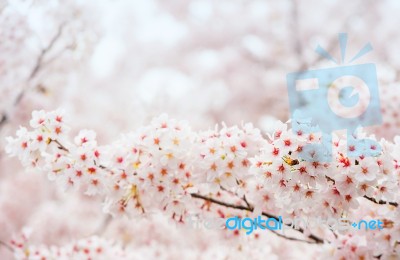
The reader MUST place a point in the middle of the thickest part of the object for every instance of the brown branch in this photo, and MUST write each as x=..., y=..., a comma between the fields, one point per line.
x=245, y=201
x=235, y=194
x=317, y=240
x=3, y=119
x=39, y=61
x=44, y=51
x=381, y=202
x=7, y=246
x=291, y=238
x=58, y=54
x=60, y=146
x=38, y=65
x=330, y=179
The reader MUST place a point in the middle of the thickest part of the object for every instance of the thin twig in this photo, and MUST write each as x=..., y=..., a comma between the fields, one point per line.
x=3, y=119
x=7, y=246
x=291, y=238
x=38, y=65
x=60, y=146
x=44, y=51
x=295, y=30
x=104, y=224
x=58, y=54
x=245, y=201
x=39, y=61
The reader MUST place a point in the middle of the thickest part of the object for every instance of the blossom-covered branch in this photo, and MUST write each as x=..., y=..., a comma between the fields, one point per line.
x=88, y=248
x=165, y=166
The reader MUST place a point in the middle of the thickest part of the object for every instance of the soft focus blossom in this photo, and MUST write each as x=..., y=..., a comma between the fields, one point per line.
x=138, y=124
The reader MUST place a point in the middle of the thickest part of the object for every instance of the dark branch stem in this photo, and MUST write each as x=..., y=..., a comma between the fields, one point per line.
x=3, y=119
x=317, y=240
x=245, y=201
x=7, y=246
x=39, y=61
x=60, y=146
x=291, y=238
x=381, y=202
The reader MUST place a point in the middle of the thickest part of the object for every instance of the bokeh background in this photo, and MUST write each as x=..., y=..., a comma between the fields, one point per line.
x=114, y=65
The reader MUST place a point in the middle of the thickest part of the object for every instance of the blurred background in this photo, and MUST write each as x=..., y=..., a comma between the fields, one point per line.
x=114, y=65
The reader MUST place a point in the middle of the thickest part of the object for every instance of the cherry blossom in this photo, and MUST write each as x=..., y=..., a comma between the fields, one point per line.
x=115, y=65
x=167, y=167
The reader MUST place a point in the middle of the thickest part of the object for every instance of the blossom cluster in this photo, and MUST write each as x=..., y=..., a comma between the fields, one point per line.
x=330, y=188
x=145, y=247
x=88, y=248
x=162, y=165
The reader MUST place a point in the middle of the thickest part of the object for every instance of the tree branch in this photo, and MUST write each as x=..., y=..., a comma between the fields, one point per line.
x=295, y=30
x=44, y=51
x=38, y=65
x=291, y=238
x=60, y=146
x=381, y=202
x=316, y=239
x=7, y=246
x=3, y=119
x=103, y=226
